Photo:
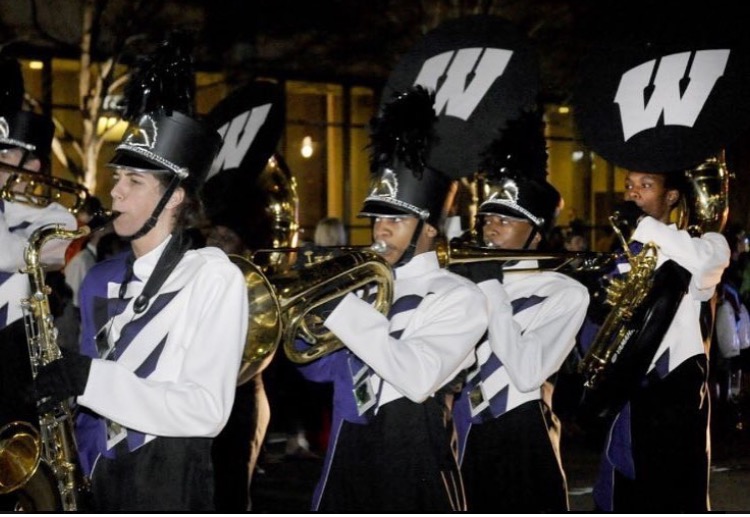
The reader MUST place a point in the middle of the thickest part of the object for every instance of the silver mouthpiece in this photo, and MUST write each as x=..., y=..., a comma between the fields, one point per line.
x=379, y=247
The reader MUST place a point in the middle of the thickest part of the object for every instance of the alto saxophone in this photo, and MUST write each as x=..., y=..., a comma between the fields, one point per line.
x=22, y=448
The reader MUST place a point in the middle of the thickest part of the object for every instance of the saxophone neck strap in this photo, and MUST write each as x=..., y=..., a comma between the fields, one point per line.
x=176, y=248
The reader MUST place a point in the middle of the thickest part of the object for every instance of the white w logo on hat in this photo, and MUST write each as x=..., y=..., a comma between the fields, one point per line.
x=680, y=109
x=457, y=95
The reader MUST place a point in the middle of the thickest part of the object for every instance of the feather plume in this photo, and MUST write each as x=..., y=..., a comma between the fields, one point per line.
x=163, y=80
x=520, y=150
x=12, y=87
x=404, y=131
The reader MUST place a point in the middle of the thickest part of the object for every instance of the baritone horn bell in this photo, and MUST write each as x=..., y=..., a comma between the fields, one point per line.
x=282, y=301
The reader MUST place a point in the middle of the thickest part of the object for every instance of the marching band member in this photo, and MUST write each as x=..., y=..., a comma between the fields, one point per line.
x=390, y=446
x=509, y=437
x=656, y=454
x=654, y=399
x=163, y=330
x=25, y=144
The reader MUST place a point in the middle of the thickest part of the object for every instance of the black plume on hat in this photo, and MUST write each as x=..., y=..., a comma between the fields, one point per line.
x=162, y=80
x=11, y=86
x=521, y=150
x=27, y=130
x=514, y=179
x=163, y=135
x=400, y=139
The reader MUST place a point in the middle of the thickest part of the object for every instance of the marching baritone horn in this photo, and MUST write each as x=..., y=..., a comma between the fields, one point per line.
x=283, y=300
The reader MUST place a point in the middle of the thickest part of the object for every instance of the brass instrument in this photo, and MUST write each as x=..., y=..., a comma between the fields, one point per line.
x=620, y=350
x=282, y=300
x=457, y=252
x=625, y=295
x=39, y=189
x=23, y=448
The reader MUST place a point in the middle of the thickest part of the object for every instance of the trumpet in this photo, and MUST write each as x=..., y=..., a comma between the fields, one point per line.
x=460, y=252
x=39, y=189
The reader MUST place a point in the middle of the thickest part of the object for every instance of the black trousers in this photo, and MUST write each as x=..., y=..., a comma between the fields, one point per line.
x=512, y=463
x=403, y=461
x=670, y=449
x=165, y=475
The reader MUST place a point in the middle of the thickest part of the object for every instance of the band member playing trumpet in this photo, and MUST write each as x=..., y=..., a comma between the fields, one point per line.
x=25, y=143
x=163, y=329
x=390, y=445
x=509, y=437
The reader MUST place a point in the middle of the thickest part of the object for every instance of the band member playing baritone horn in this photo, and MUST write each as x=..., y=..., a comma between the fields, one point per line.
x=390, y=447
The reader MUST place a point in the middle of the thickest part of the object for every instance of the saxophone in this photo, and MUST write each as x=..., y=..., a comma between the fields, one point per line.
x=646, y=300
x=43, y=464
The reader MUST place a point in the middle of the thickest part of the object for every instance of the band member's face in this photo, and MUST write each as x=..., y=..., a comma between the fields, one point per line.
x=505, y=232
x=13, y=157
x=135, y=195
x=397, y=232
x=648, y=192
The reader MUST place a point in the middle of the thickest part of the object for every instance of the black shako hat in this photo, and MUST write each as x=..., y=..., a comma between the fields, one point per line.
x=532, y=199
x=169, y=142
x=400, y=140
x=513, y=179
x=27, y=130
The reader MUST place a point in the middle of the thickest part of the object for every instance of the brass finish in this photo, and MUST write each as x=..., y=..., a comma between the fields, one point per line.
x=564, y=261
x=22, y=448
x=625, y=295
x=39, y=190
x=283, y=299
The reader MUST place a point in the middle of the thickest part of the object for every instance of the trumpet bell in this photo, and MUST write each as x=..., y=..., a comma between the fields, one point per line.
x=39, y=190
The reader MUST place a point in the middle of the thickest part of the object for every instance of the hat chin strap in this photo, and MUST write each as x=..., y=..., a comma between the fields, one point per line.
x=532, y=234
x=412, y=248
x=151, y=222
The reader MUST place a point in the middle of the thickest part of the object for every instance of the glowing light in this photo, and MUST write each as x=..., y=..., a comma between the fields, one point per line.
x=36, y=65
x=307, y=147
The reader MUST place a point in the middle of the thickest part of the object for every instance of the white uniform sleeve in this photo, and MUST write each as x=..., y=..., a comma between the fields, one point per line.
x=533, y=353
x=705, y=257
x=14, y=242
x=199, y=401
x=438, y=340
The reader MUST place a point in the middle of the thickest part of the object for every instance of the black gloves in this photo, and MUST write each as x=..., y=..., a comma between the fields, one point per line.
x=480, y=271
x=63, y=378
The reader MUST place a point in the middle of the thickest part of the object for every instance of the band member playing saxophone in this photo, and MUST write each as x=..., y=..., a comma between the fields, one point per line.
x=509, y=437
x=390, y=447
x=25, y=143
x=163, y=330
x=653, y=393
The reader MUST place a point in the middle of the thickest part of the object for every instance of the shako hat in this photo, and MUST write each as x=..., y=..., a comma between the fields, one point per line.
x=513, y=179
x=27, y=130
x=173, y=142
x=400, y=139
